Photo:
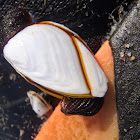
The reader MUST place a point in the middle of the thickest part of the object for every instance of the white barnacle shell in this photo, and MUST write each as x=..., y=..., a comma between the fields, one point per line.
x=39, y=104
x=56, y=60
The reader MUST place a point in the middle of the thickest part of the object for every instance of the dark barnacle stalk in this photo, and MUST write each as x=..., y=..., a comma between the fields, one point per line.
x=81, y=106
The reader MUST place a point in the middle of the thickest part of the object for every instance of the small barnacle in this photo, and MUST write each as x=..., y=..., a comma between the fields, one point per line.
x=129, y=54
x=39, y=104
x=132, y=58
x=127, y=46
x=122, y=56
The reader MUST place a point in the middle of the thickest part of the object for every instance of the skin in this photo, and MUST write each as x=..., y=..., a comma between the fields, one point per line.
x=102, y=126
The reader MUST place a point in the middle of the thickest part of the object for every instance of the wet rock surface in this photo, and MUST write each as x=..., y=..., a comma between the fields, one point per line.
x=127, y=73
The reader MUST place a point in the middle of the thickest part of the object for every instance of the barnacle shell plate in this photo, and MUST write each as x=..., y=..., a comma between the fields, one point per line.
x=39, y=104
x=56, y=60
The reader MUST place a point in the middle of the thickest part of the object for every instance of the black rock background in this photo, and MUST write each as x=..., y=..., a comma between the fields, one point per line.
x=127, y=74
x=90, y=19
